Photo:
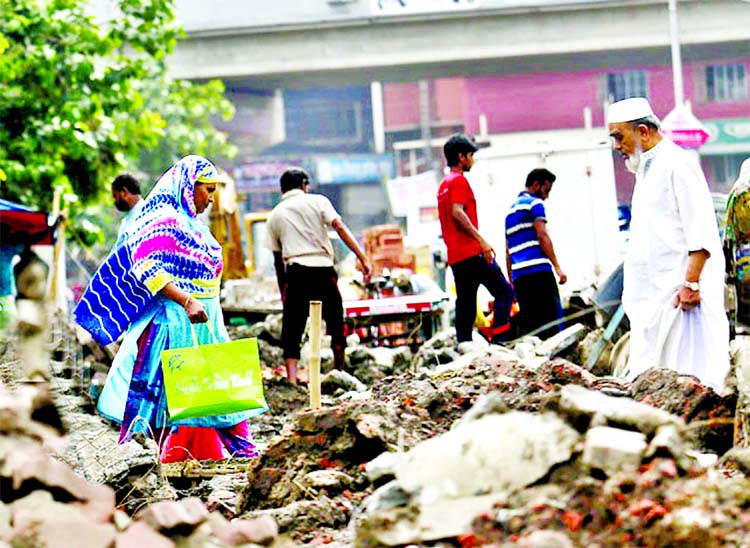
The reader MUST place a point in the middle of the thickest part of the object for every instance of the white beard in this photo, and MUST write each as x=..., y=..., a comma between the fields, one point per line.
x=633, y=161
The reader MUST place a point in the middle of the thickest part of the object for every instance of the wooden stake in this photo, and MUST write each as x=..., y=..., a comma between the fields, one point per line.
x=58, y=247
x=316, y=308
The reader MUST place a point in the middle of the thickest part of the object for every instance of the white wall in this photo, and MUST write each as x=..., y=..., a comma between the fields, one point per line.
x=581, y=210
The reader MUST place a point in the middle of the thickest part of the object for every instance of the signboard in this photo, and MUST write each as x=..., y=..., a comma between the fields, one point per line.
x=409, y=7
x=406, y=193
x=415, y=198
x=682, y=127
x=366, y=168
x=732, y=132
x=263, y=176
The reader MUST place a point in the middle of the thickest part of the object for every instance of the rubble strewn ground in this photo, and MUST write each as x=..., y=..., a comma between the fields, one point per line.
x=446, y=446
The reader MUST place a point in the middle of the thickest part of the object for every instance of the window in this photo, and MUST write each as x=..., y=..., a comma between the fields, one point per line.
x=726, y=83
x=623, y=85
x=722, y=170
x=321, y=122
x=333, y=119
x=413, y=160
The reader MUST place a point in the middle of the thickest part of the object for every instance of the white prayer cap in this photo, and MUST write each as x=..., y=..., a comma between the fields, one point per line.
x=628, y=110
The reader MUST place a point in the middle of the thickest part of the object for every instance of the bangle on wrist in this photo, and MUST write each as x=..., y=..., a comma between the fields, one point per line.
x=184, y=305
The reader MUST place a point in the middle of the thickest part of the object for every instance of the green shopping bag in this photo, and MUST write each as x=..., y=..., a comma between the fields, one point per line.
x=213, y=379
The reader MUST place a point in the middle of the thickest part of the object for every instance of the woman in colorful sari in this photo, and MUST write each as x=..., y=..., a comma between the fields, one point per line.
x=162, y=275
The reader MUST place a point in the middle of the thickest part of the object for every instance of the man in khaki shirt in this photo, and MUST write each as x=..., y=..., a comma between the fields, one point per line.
x=303, y=258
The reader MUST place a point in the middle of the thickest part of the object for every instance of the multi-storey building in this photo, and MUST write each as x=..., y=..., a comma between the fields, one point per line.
x=333, y=84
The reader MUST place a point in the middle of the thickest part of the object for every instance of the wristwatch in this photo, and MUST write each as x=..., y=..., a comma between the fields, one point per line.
x=692, y=286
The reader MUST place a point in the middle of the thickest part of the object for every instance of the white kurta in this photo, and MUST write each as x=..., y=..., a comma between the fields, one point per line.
x=672, y=213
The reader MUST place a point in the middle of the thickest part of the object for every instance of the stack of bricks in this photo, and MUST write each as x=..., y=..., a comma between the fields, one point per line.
x=384, y=245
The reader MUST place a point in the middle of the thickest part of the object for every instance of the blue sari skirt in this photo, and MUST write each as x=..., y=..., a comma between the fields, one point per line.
x=134, y=393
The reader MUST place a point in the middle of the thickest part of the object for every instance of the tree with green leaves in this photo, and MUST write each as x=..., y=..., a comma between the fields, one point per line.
x=84, y=100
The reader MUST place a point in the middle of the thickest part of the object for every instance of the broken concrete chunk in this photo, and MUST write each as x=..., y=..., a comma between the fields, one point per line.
x=688, y=526
x=471, y=347
x=121, y=520
x=667, y=439
x=545, y=539
x=705, y=460
x=441, y=348
x=174, y=516
x=389, y=358
x=140, y=535
x=493, y=454
x=740, y=351
x=737, y=458
x=384, y=465
x=307, y=514
x=487, y=404
x=17, y=409
x=336, y=379
x=95, y=453
x=22, y=461
x=386, y=497
x=711, y=417
x=97, y=511
x=562, y=341
x=456, y=367
x=66, y=534
x=562, y=372
x=39, y=520
x=372, y=426
x=524, y=349
x=613, y=449
x=588, y=346
x=439, y=519
x=262, y=530
x=577, y=401
x=5, y=516
x=328, y=479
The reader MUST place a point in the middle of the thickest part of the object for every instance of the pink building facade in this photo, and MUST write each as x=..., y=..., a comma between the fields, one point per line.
x=718, y=91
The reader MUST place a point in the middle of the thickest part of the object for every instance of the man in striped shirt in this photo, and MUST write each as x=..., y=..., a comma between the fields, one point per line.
x=530, y=257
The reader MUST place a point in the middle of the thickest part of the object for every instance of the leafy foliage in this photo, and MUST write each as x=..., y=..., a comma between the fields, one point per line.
x=83, y=101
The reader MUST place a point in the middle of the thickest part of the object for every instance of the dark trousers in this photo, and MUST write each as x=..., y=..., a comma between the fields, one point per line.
x=305, y=284
x=468, y=275
x=539, y=303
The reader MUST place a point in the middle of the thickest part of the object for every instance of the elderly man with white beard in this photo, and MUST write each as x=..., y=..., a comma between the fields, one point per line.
x=673, y=289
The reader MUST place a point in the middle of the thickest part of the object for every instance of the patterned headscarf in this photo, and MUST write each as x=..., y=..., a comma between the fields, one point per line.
x=164, y=243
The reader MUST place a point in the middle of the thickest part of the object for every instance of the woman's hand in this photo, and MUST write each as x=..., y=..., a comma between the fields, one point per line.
x=194, y=308
x=196, y=311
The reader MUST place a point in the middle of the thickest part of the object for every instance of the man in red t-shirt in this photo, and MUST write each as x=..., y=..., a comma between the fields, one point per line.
x=470, y=257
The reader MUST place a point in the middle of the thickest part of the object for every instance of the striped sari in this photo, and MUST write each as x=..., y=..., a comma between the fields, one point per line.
x=164, y=243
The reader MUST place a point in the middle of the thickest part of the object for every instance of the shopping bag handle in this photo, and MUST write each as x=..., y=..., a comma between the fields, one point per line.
x=210, y=330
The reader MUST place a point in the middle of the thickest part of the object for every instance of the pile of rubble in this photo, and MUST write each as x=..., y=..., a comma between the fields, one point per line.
x=495, y=448
x=470, y=445
x=44, y=502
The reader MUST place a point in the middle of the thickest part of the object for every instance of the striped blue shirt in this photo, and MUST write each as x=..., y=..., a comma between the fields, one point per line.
x=526, y=254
